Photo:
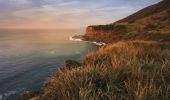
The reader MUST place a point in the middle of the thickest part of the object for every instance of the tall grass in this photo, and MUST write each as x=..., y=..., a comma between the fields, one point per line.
x=121, y=71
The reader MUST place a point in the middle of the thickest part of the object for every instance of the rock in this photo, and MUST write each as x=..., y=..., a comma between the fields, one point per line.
x=104, y=33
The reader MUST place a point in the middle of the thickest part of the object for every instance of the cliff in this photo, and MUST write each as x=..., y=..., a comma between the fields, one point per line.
x=103, y=32
x=127, y=70
x=152, y=20
x=132, y=70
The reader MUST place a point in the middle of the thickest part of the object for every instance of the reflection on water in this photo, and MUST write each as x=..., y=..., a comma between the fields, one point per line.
x=27, y=58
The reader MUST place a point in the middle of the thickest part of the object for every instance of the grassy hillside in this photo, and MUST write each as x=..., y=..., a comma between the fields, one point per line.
x=155, y=18
x=149, y=22
x=146, y=12
x=135, y=67
x=134, y=70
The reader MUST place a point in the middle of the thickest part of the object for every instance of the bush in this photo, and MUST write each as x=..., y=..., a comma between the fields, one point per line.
x=131, y=21
x=128, y=71
x=150, y=27
x=120, y=29
x=69, y=64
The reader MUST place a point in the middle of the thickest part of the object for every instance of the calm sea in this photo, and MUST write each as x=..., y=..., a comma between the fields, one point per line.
x=29, y=57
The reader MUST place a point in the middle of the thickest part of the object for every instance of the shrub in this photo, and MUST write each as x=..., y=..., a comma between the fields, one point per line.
x=120, y=29
x=123, y=71
x=149, y=27
x=69, y=64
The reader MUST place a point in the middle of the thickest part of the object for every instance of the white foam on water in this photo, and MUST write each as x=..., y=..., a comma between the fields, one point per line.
x=1, y=96
x=94, y=42
x=10, y=93
x=74, y=39
x=7, y=94
x=99, y=43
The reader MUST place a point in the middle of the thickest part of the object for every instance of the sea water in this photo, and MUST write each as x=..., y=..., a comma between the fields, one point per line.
x=29, y=57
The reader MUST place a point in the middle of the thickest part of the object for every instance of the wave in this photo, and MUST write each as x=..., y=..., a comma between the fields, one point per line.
x=9, y=93
x=1, y=96
x=79, y=38
x=99, y=43
x=74, y=39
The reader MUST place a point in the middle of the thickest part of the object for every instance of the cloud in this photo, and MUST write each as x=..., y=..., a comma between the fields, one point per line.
x=68, y=3
x=65, y=13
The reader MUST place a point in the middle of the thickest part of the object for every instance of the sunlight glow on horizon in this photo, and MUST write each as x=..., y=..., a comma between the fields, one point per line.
x=65, y=14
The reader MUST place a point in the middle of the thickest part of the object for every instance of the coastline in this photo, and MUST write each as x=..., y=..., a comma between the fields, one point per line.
x=80, y=38
x=119, y=70
x=56, y=85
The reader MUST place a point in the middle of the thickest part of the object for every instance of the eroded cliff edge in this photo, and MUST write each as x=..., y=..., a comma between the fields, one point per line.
x=119, y=64
x=105, y=33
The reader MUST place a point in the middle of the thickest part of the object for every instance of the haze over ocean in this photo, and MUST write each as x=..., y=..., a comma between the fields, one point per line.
x=34, y=37
x=28, y=58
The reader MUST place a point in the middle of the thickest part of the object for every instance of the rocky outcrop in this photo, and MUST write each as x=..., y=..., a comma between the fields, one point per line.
x=98, y=31
x=104, y=32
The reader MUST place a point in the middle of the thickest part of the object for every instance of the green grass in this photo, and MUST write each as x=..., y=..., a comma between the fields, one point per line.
x=137, y=70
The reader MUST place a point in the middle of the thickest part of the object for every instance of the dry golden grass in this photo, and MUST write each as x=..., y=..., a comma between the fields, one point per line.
x=121, y=71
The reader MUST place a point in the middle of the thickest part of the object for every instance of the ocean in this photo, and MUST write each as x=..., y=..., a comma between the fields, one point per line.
x=29, y=57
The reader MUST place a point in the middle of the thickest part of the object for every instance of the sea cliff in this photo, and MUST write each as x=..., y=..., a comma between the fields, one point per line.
x=104, y=33
x=135, y=67
x=149, y=22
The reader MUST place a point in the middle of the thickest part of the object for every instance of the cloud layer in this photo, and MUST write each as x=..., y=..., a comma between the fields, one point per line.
x=65, y=13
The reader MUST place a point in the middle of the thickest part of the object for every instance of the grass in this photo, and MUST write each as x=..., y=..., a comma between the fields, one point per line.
x=135, y=70
x=150, y=23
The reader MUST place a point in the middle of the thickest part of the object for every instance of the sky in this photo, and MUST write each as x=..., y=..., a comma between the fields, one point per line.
x=65, y=14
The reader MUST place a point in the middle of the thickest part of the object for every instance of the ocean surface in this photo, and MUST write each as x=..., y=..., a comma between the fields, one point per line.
x=29, y=57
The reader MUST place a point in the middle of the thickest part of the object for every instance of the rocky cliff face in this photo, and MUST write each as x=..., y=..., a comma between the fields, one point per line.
x=104, y=32
x=155, y=19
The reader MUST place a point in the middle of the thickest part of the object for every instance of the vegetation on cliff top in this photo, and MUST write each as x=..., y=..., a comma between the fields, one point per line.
x=148, y=22
x=137, y=70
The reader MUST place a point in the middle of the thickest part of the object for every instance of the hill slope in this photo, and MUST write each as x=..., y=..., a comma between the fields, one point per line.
x=148, y=11
x=149, y=22
x=137, y=70
x=126, y=70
